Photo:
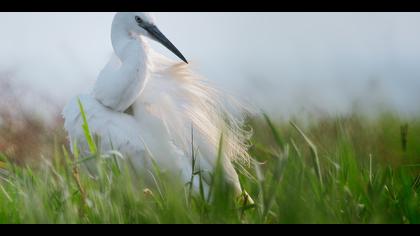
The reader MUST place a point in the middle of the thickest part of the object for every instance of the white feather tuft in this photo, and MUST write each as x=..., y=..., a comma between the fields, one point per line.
x=183, y=99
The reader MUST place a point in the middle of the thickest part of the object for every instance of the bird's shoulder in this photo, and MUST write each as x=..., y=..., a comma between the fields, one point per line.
x=72, y=110
x=73, y=106
x=100, y=119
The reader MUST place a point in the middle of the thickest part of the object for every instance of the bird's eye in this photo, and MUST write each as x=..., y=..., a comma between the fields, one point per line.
x=139, y=20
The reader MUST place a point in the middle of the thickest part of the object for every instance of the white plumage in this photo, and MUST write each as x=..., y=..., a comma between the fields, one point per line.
x=167, y=99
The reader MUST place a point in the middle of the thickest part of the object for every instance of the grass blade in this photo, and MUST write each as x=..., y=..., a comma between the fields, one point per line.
x=86, y=130
x=314, y=152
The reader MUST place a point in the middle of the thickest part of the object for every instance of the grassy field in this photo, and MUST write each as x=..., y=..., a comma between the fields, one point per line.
x=349, y=169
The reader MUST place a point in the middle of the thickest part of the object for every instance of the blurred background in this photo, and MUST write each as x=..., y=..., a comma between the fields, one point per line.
x=286, y=64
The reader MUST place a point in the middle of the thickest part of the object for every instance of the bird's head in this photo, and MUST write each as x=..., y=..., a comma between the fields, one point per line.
x=143, y=24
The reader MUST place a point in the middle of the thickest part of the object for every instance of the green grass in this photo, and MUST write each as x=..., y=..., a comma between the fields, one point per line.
x=333, y=170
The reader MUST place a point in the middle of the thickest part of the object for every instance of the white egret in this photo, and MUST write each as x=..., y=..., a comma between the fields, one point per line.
x=146, y=106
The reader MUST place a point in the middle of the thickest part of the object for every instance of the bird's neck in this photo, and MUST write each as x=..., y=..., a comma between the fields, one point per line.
x=128, y=47
x=118, y=88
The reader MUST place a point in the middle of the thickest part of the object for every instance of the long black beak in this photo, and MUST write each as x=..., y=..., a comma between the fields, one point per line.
x=155, y=32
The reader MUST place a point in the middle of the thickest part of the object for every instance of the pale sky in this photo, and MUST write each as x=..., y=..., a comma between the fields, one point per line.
x=280, y=62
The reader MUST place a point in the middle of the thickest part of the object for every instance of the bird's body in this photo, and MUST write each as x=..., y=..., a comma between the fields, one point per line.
x=170, y=105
